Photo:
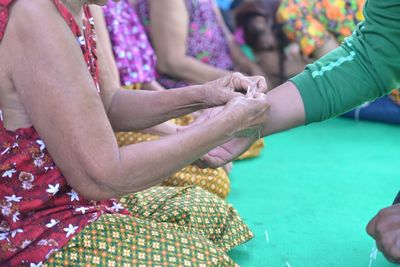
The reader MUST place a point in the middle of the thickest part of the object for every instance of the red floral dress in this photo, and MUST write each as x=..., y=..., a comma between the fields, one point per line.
x=39, y=211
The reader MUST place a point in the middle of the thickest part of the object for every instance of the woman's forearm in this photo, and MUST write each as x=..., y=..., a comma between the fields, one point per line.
x=146, y=164
x=286, y=109
x=154, y=107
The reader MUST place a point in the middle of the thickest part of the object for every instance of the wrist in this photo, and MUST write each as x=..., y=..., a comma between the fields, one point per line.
x=230, y=123
x=194, y=96
x=208, y=97
x=223, y=125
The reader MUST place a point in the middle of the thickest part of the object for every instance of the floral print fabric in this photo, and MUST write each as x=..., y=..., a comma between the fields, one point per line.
x=135, y=58
x=39, y=211
x=170, y=226
x=310, y=22
x=206, y=40
x=395, y=96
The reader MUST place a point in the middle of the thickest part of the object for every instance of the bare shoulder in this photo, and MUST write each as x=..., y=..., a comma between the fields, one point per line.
x=24, y=20
x=25, y=12
x=39, y=20
x=31, y=23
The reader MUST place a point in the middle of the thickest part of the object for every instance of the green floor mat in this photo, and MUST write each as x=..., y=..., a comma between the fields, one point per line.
x=310, y=195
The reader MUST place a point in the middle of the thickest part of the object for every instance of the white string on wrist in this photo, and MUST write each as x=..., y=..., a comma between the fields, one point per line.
x=251, y=90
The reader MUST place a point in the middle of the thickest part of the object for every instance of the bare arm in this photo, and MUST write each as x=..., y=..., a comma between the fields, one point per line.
x=287, y=109
x=71, y=118
x=131, y=110
x=104, y=40
x=103, y=37
x=169, y=36
x=286, y=112
x=122, y=106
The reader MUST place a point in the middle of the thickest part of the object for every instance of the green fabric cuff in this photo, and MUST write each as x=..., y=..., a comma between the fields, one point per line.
x=311, y=99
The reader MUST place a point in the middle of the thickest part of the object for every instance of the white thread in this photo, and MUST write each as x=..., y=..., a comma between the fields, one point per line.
x=266, y=236
x=251, y=90
x=372, y=256
x=288, y=264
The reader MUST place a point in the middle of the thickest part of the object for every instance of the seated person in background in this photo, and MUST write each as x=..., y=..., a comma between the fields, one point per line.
x=308, y=30
x=191, y=41
x=256, y=27
x=194, y=46
x=62, y=170
x=133, y=66
x=319, y=26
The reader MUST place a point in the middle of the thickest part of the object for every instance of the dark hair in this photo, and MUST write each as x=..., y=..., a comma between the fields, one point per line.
x=248, y=11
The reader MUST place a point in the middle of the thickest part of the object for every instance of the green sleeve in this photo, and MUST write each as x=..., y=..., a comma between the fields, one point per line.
x=366, y=66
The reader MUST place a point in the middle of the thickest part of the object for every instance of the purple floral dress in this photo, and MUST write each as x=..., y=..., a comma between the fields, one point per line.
x=206, y=40
x=135, y=58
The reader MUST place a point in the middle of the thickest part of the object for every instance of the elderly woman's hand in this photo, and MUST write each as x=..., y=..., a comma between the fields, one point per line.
x=247, y=114
x=222, y=155
x=223, y=90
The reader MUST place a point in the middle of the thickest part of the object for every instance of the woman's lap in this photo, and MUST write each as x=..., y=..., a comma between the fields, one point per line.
x=170, y=226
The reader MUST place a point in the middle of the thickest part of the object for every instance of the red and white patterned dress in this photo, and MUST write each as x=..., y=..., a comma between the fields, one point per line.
x=39, y=211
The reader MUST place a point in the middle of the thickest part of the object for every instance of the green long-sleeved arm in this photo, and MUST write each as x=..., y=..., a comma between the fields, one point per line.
x=365, y=67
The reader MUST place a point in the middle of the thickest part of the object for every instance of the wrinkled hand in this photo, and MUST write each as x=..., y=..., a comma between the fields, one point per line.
x=226, y=153
x=246, y=134
x=247, y=114
x=223, y=90
x=385, y=229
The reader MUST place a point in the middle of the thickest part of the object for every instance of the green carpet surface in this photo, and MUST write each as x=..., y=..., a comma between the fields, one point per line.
x=310, y=195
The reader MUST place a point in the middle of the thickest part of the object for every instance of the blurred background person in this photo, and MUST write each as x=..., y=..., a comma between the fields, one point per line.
x=286, y=35
x=194, y=46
